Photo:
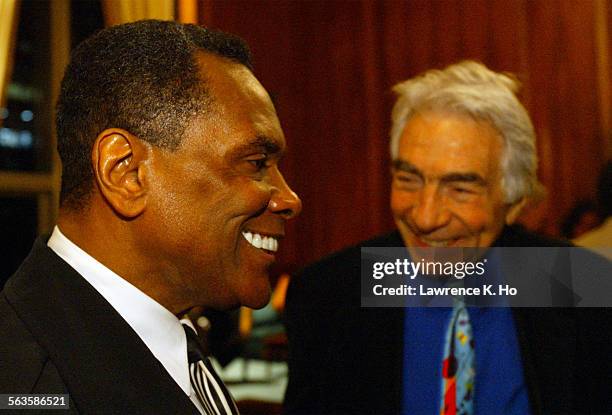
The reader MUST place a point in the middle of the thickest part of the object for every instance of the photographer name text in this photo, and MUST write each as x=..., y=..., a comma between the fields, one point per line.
x=420, y=290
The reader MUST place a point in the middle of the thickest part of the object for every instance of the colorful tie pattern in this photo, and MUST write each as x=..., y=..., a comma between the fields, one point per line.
x=208, y=386
x=458, y=366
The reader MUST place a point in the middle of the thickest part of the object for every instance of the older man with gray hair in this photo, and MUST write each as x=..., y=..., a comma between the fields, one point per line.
x=464, y=164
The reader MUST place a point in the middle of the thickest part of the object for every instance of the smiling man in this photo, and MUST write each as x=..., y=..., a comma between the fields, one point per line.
x=171, y=198
x=463, y=165
x=447, y=188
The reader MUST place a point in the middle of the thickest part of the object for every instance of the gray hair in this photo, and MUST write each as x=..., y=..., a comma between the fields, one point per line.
x=472, y=89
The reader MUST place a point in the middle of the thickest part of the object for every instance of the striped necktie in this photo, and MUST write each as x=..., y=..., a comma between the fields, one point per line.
x=458, y=367
x=208, y=386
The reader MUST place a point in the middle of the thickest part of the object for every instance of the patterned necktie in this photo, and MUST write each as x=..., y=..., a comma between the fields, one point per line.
x=209, y=388
x=458, y=367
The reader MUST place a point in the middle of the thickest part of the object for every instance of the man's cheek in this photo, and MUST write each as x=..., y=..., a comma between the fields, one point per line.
x=400, y=203
x=476, y=220
x=258, y=197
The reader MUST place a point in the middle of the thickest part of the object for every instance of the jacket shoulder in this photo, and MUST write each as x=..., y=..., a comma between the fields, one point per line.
x=335, y=275
x=518, y=236
x=349, y=258
x=25, y=367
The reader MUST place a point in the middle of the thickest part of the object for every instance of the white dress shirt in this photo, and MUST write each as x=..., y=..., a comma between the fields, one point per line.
x=158, y=328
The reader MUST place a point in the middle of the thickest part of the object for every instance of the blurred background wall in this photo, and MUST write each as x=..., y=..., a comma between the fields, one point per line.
x=330, y=66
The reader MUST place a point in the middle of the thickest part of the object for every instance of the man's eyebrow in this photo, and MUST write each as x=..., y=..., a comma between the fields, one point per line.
x=406, y=167
x=264, y=143
x=464, y=177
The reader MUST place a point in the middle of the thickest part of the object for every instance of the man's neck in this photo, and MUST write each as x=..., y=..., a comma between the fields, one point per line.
x=109, y=241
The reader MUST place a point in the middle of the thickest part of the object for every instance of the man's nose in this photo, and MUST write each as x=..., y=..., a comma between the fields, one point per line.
x=429, y=212
x=284, y=201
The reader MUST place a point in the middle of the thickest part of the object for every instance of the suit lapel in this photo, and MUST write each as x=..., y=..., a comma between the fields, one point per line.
x=547, y=340
x=105, y=365
x=546, y=337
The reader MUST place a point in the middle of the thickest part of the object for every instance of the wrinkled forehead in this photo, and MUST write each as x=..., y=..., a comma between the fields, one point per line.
x=450, y=140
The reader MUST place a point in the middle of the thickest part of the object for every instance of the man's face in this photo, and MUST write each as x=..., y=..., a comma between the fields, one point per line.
x=446, y=188
x=217, y=206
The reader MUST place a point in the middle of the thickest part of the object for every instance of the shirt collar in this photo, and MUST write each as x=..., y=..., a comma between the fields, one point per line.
x=156, y=326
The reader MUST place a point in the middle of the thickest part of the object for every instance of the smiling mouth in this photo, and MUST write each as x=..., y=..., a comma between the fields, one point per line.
x=264, y=242
x=435, y=244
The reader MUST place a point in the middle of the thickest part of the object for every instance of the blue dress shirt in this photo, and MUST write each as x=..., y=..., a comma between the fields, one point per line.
x=499, y=385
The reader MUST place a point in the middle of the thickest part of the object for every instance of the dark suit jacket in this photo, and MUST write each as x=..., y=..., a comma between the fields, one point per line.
x=344, y=359
x=58, y=335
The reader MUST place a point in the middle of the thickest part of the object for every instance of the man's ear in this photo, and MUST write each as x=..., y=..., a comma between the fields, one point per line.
x=515, y=210
x=117, y=159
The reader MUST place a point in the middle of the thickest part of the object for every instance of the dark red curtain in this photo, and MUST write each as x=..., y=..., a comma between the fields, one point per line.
x=330, y=66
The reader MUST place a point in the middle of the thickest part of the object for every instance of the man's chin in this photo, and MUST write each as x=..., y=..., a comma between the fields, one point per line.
x=255, y=291
x=256, y=300
x=255, y=296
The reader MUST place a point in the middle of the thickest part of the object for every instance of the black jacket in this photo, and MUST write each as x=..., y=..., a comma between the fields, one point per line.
x=345, y=359
x=58, y=335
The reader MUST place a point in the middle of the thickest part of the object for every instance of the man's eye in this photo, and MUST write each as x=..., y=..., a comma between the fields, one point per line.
x=463, y=193
x=404, y=178
x=408, y=180
x=259, y=162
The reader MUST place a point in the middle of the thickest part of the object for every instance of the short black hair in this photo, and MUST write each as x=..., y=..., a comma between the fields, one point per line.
x=142, y=77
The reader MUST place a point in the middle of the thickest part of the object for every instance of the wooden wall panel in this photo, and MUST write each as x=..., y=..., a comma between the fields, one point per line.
x=563, y=104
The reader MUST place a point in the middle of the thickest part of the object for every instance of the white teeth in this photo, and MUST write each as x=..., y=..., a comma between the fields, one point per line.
x=436, y=244
x=257, y=242
x=262, y=242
